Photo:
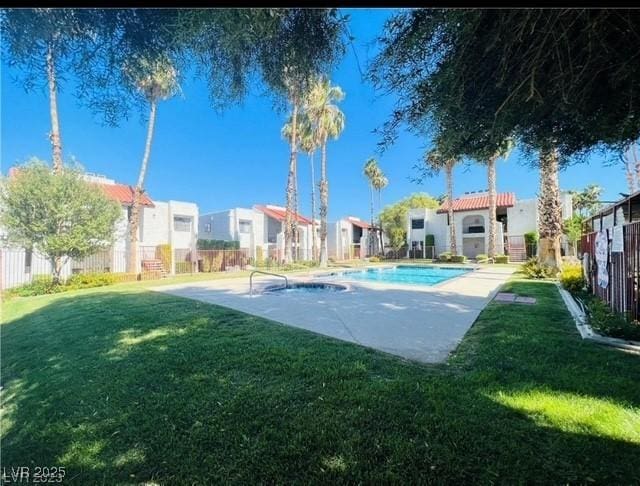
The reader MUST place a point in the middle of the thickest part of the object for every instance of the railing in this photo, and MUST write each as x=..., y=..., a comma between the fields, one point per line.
x=286, y=280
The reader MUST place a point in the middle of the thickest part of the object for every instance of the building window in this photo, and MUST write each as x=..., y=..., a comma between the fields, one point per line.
x=417, y=224
x=244, y=226
x=181, y=223
x=207, y=227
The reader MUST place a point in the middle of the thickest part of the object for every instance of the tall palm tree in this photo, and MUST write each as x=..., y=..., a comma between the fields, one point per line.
x=436, y=162
x=371, y=171
x=503, y=151
x=309, y=145
x=328, y=121
x=155, y=79
x=306, y=141
x=549, y=208
x=296, y=100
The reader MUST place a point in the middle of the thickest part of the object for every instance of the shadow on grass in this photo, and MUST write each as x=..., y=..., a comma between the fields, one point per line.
x=131, y=387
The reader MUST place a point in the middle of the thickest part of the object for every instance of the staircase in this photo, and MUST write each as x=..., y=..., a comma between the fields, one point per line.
x=517, y=249
x=154, y=266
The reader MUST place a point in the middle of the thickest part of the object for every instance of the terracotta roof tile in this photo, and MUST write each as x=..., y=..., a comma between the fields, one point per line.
x=470, y=203
x=123, y=194
x=280, y=214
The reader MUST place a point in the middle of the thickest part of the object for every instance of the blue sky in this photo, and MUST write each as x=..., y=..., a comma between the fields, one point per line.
x=238, y=158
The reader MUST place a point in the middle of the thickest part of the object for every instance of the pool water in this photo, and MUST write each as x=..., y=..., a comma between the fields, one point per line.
x=306, y=287
x=405, y=274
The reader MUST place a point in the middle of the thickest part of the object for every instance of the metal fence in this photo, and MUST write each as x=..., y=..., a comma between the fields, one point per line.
x=623, y=269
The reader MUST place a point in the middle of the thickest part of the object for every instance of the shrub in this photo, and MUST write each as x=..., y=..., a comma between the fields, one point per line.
x=163, y=253
x=458, y=259
x=610, y=323
x=445, y=256
x=217, y=245
x=534, y=268
x=481, y=257
x=374, y=259
x=501, y=259
x=87, y=280
x=531, y=242
x=40, y=284
x=571, y=278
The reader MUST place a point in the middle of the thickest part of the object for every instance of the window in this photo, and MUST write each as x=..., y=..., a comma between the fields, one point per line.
x=182, y=223
x=417, y=224
x=244, y=226
x=207, y=227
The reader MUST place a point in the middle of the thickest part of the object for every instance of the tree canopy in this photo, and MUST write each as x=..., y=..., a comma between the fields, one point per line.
x=475, y=77
x=394, y=216
x=60, y=215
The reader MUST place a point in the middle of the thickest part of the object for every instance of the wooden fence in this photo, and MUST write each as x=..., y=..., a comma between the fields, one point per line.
x=623, y=268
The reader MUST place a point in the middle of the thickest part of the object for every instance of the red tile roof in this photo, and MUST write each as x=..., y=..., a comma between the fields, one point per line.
x=470, y=203
x=123, y=194
x=358, y=222
x=118, y=192
x=280, y=214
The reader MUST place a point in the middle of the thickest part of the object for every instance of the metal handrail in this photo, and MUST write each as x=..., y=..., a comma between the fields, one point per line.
x=286, y=280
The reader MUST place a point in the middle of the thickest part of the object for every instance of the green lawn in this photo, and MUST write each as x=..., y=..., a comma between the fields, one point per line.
x=122, y=385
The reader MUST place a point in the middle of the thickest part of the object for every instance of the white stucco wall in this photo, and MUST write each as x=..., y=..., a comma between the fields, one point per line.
x=522, y=217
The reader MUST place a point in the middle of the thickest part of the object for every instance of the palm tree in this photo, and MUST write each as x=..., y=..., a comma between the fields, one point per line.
x=306, y=141
x=327, y=121
x=549, y=209
x=296, y=100
x=436, y=162
x=309, y=144
x=503, y=151
x=156, y=80
x=371, y=170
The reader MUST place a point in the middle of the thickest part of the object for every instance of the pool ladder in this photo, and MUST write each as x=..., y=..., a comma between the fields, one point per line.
x=286, y=280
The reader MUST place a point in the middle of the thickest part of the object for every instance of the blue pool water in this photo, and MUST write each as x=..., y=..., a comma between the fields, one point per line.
x=405, y=274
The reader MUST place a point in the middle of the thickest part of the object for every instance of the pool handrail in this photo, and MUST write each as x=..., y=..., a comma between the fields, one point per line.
x=286, y=280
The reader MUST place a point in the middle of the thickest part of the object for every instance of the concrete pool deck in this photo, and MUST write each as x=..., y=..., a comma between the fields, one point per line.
x=422, y=323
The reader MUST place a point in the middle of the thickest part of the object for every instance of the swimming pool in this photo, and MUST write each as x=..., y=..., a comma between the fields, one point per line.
x=404, y=274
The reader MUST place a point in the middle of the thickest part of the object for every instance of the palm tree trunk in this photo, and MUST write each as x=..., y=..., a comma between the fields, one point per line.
x=134, y=217
x=288, y=222
x=324, y=206
x=549, y=209
x=371, y=231
x=54, y=136
x=452, y=224
x=491, y=176
x=314, y=246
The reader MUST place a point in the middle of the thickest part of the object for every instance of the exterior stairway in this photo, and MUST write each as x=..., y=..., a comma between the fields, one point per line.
x=517, y=249
x=154, y=266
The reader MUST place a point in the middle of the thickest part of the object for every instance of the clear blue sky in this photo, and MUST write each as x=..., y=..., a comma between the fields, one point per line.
x=239, y=159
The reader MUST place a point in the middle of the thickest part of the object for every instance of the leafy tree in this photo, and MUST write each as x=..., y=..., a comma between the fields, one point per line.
x=60, y=215
x=572, y=228
x=393, y=218
x=155, y=79
x=45, y=42
x=328, y=122
x=561, y=81
x=586, y=202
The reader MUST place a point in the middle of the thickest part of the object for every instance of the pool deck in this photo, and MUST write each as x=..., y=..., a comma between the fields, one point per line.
x=421, y=323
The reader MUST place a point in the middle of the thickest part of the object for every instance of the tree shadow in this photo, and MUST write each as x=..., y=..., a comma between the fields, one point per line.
x=131, y=387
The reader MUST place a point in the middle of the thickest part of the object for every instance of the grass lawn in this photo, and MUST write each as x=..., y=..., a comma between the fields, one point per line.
x=125, y=386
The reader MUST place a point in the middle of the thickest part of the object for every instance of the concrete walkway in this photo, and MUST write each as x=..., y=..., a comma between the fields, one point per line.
x=415, y=322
